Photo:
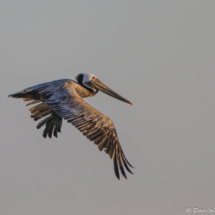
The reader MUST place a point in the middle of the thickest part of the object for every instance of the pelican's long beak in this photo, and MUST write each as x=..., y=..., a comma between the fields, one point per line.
x=105, y=89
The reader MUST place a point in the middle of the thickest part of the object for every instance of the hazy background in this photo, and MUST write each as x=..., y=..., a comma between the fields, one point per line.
x=158, y=54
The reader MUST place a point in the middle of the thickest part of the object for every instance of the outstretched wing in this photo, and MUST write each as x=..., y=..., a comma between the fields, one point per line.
x=94, y=125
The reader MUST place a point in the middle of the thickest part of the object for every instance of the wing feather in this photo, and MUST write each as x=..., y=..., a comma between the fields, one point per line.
x=103, y=143
x=93, y=124
x=121, y=166
x=116, y=170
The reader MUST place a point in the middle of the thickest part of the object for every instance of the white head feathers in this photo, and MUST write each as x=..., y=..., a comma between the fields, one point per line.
x=88, y=77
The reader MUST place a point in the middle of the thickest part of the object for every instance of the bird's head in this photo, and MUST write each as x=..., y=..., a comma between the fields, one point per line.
x=93, y=84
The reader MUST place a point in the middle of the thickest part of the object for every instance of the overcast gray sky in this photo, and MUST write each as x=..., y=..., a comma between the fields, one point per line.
x=158, y=54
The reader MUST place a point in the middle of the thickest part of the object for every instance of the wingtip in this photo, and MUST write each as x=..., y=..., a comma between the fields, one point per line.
x=125, y=177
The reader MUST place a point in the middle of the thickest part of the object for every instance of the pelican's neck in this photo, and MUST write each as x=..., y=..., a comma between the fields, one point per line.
x=84, y=92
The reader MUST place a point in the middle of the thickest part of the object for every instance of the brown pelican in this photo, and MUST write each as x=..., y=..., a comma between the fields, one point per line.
x=62, y=99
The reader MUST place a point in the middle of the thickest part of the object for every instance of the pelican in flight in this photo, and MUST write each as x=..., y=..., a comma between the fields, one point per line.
x=62, y=99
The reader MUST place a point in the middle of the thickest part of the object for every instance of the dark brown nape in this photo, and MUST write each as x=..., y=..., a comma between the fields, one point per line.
x=80, y=79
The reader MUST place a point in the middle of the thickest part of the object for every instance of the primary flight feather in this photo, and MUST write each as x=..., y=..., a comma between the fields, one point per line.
x=62, y=99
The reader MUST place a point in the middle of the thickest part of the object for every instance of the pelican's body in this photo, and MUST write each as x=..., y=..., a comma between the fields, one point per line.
x=62, y=99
